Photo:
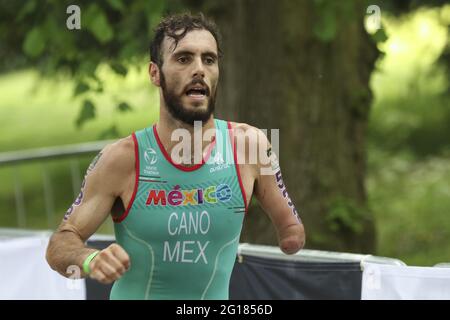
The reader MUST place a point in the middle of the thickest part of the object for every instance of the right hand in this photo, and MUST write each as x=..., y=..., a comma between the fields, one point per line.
x=109, y=264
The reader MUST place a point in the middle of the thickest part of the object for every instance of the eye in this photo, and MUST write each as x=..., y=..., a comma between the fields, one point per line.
x=210, y=60
x=183, y=59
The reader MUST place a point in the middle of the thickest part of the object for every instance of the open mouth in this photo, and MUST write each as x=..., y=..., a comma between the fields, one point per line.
x=196, y=92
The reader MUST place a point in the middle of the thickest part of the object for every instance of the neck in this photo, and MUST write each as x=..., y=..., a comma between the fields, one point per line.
x=166, y=125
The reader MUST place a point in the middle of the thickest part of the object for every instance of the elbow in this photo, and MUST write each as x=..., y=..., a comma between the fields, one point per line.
x=49, y=254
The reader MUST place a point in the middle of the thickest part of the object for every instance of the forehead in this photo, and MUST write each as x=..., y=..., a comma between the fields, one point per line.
x=195, y=41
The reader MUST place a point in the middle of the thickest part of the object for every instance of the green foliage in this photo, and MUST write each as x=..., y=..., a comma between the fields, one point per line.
x=418, y=124
x=28, y=8
x=87, y=112
x=46, y=119
x=97, y=23
x=80, y=88
x=112, y=32
x=117, y=4
x=344, y=214
x=119, y=68
x=380, y=36
x=124, y=107
x=409, y=158
x=411, y=111
x=409, y=150
x=110, y=133
x=319, y=238
x=411, y=201
x=34, y=42
x=325, y=27
x=329, y=16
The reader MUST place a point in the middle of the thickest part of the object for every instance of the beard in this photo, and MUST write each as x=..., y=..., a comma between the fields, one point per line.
x=180, y=112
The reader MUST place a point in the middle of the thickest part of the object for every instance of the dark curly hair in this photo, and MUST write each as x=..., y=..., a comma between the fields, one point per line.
x=170, y=27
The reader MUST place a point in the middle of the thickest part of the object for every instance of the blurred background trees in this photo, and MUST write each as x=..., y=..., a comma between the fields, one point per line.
x=364, y=116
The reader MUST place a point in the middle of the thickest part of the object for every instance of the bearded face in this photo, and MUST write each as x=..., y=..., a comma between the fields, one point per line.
x=189, y=76
x=189, y=109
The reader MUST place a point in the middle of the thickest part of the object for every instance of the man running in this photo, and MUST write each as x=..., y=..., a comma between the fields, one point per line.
x=177, y=219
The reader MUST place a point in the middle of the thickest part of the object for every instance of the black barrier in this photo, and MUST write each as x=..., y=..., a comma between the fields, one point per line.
x=94, y=289
x=259, y=278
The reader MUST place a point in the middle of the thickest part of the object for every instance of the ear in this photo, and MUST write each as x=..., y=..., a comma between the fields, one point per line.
x=153, y=71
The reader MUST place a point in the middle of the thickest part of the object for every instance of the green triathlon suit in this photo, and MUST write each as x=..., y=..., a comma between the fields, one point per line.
x=182, y=226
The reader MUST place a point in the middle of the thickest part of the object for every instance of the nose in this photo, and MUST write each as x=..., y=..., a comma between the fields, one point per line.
x=198, y=69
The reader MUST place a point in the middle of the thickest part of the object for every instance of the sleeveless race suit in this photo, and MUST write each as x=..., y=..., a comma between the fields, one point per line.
x=182, y=226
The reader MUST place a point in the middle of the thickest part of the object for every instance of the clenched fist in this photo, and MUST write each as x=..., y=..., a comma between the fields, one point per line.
x=109, y=264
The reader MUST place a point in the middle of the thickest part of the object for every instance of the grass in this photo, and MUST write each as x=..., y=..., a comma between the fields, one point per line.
x=36, y=112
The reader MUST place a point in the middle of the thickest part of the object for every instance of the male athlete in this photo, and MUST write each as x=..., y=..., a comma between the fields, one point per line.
x=177, y=219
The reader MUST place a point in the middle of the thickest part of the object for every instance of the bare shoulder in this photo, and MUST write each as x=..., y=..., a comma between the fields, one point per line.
x=117, y=158
x=248, y=134
x=120, y=154
x=122, y=149
x=252, y=147
x=242, y=126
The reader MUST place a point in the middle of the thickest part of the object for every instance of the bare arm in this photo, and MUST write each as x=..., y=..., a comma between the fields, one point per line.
x=272, y=194
x=103, y=183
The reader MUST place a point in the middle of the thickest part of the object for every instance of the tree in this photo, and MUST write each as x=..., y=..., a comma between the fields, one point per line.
x=114, y=32
x=300, y=66
x=304, y=67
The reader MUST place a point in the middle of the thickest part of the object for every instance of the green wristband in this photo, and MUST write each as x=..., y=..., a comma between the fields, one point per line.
x=87, y=261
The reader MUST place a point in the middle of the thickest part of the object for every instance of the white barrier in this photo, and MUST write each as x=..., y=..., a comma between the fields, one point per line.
x=25, y=274
x=385, y=282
